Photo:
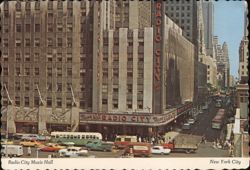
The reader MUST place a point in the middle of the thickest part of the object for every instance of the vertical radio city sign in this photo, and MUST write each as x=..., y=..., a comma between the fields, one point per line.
x=158, y=20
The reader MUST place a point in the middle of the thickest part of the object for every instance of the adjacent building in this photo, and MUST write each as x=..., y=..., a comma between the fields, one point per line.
x=208, y=20
x=109, y=66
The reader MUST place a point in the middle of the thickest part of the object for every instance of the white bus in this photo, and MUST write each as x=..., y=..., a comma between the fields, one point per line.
x=78, y=138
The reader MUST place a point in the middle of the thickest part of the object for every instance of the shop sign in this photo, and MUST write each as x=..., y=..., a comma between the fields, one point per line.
x=158, y=26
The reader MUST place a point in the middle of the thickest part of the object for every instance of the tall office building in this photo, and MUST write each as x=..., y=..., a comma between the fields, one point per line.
x=223, y=65
x=243, y=52
x=68, y=66
x=208, y=19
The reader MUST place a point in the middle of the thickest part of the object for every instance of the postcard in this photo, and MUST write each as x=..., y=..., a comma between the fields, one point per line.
x=124, y=84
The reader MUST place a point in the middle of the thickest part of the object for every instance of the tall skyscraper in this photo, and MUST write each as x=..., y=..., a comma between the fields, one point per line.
x=243, y=52
x=208, y=19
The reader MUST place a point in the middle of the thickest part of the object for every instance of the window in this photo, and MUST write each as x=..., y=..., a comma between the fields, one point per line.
x=18, y=28
x=5, y=71
x=69, y=27
x=104, y=101
x=49, y=71
x=59, y=42
x=115, y=104
x=49, y=42
x=69, y=42
x=5, y=56
x=82, y=87
x=17, y=101
x=18, y=71
x=27, y=27
x=82, y=72
x=69, y=58
x=69, y=85
x=49, y=57
x=37, y=27
x=129, y=104
x=36, y=101
x=59, y=102
x=129, y=88
x=17, y=86
x=37, y=5
x=50, y=5
x=82, y=104
x=26, y=86
x=49, y=101
x=27, y=42
x=36, y=57
x=140, y=104
x=68, y=102
x=69, y=71
x=37, y=42
x=26, y=101
x=5, y=42
x=27, y=57
x=59, y=72
x=60, y=27
x=27, y=71
x=50, y=27
x=59, y=87
x=36, y=71
x=49, y=86
x=18, y=43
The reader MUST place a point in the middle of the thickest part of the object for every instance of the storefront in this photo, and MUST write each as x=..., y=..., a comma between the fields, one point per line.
x=26, y=127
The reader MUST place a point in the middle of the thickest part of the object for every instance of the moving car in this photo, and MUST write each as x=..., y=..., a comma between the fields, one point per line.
x=6, y=141
x=73, y=152
x=12, y=150
x=186, y=126
x=160, y=150
x=100, y=146
x=51, y=147
x=31, y=143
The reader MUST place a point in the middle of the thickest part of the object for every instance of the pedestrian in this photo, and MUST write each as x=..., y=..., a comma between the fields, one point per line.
x=139, y=139
x=29, y=151
x=153, y=140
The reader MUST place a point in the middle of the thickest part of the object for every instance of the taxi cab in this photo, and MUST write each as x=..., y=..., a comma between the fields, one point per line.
x=31, y=143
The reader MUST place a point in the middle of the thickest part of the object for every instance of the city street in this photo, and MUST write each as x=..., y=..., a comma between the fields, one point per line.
x=203, y=124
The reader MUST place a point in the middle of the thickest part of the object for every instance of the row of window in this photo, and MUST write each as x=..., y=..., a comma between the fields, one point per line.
x=129, y=103
x=59, y=57
x=50, y=28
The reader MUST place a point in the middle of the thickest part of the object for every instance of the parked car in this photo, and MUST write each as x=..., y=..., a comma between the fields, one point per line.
x=191, y=121
x=100, y=146
x=160, y=150
x=12, y=150
x=73, y=152
x=31, y=143
x=30, y=137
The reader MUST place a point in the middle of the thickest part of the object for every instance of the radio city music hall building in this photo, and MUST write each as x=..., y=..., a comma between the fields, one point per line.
x=87, y=66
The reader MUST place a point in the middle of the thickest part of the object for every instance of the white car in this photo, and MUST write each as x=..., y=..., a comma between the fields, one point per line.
x=160, y=150
x=191, y=121
x=73, y=152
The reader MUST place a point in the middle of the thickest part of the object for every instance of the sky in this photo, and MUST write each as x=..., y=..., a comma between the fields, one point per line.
x=229, y=27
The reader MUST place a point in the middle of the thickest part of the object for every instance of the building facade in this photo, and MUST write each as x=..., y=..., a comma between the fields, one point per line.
x=208, y=20
x=88, y=66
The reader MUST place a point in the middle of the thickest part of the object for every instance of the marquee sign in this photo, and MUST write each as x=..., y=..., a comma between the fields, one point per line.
x=128, y=119
x=158, y=18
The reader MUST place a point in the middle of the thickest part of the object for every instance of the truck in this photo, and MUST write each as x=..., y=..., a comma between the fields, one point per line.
x=12, y=150
x=179, y=142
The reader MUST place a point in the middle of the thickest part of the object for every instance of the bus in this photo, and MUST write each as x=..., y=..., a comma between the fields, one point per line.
x=78, y=138
x=218, y=120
